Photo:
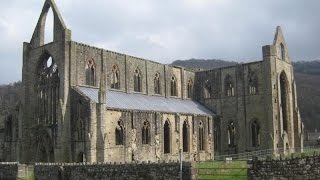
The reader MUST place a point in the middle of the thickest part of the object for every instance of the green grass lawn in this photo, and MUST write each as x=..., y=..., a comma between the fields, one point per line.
x=222, y=170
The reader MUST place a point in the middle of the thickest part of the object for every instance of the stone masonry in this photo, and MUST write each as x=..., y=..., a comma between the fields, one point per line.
x=294, y=168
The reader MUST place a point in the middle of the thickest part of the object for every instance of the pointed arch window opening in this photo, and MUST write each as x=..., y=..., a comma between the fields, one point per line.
x=90, y=73
x=119, y=131
x=48, y=30
x=255, y=134
x=173, y=86
x=80, y=126
x=115, y=77
x=231, y=135
x=157, y=89
x=166, y=138
x=137, y=81
x=253, y=84
x=207, y=89
x=47, y=88
x=146, y=133
x=81, y=130
x=201, y=137
x=190, y=88
x=185, y=136
x=229, y=86
x=284, y=100
x=216, y=130
x=282, y=52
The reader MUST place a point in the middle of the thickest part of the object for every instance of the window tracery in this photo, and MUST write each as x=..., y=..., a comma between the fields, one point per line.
x=90, y=73
x=157, y=83
x=229, y=86
x=137, y=80
x=115, y=77
x=173, y=86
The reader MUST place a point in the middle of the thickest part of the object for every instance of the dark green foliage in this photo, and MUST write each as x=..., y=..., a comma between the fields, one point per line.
x=10, y=96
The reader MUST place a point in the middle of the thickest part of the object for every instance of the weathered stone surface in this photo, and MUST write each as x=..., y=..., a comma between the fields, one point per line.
x=296, y=169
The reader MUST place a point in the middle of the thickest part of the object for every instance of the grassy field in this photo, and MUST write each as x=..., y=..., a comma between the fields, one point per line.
x=221, y=170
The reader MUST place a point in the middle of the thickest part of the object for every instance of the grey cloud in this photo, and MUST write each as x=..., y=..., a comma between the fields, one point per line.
x=169, y=29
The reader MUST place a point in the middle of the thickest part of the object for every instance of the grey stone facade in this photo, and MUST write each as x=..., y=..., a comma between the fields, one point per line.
x=60, y=123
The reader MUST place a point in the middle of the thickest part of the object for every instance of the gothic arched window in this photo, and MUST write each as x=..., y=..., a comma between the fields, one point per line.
x=231, y=134
x=166, y=137
x=115, y=77
x=173, y=86
x=137, y=81
x=253, y=83
x=81, y=130
x=190, y=88
x=201, y=136
x=119, y=133
x=185, y=136
x=207, y=89
x=282, y=52
x=146, y=133
x=90, y=73
x=47, y=88
x=284, y=100
x=229, y=86
x=216, y=136
x=157, y=83
x=255, y=133
x=80, y=125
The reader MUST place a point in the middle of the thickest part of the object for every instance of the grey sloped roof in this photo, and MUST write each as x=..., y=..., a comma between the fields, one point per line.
x=122, y=100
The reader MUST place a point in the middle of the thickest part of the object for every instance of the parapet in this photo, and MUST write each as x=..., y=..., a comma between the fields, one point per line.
x=269, y=50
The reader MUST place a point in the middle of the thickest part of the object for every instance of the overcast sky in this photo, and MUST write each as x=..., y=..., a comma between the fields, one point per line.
x=167, y=30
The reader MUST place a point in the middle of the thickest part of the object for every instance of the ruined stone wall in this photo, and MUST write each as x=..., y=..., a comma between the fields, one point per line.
x=241, y=108
x=280, y=66
x=112, y=171
x=81, y=53
x=133, y=149
x=296, y=168
x=80, y=108
x=29, y=119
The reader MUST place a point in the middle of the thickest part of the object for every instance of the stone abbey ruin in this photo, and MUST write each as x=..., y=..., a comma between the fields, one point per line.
x=86, y=104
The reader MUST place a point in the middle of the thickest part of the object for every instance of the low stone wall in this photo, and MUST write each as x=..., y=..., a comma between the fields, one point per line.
x=73, y=171
x=294, y=168
x=9, y=171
